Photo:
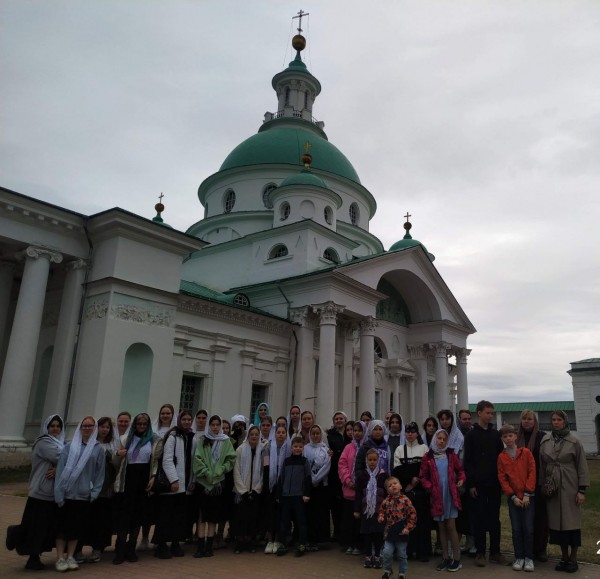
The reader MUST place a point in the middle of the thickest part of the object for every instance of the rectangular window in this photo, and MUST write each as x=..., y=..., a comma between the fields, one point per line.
x=191, y=393
x=259, y=394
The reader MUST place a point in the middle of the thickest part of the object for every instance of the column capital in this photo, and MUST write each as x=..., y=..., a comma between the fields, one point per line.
x=76, y=264
x=328, y=312
x=35, y=252
x=416, y=351
x=368, y=325
x=440, y=349
x=461, y=355
x=300, y=316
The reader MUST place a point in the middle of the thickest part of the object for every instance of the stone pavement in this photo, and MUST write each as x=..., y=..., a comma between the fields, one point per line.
x=330, y=563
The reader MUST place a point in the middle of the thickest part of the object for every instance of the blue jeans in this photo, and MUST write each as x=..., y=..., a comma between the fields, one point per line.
x=388, y=555
x=521, y=521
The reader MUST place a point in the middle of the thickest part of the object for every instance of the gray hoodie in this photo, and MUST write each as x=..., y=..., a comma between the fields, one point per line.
x=44, y=455
x=90, y=481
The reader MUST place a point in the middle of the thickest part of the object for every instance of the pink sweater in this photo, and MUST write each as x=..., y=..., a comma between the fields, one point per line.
x=346, y=470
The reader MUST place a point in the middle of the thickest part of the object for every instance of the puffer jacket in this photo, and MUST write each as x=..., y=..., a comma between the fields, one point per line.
x=430, y=481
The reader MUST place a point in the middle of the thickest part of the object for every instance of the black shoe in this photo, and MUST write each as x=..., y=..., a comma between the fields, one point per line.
x=281, y=551
x=132, y=556
x=571, y=567
x=300, y=550
x=561, y=565
x=34, y=563
x=118, y=559
x=11, y=537
x=176, y=550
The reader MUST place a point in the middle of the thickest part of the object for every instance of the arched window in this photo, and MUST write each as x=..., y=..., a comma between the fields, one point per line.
x=354, y=214
x=265, y=195
x=284, y=211
x=137, y=375
x=378, y=349
x=287, y=96
x=229, y=200
x=279, y=250
x=328, y=214
x=331, y=255
x=241, y=300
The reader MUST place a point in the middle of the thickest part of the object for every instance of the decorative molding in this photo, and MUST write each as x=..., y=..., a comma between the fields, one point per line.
x=50, y=316
x=368, y=325
x=233, y=315
x=416, y=351
x=328, y=312
x=96, y=309
x=461, y=355
x=440, y=349
x=134, y=313
x=76, y=264
x=35, y=252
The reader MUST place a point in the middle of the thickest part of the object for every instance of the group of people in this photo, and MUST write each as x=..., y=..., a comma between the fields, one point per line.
x=377, y=487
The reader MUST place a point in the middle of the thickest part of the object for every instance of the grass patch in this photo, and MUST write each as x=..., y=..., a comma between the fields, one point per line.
x=590, y=527
x=15, y=475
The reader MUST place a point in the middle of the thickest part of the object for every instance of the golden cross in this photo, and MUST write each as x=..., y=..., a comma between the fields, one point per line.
x=307, y=147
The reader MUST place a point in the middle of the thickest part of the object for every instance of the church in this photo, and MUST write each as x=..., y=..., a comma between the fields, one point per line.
x=281, y=293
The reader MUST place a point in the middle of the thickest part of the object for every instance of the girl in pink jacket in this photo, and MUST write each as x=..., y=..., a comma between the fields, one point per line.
x=442, y=475
x=351, y=526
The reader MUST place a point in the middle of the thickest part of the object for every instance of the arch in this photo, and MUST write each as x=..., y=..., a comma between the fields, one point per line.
x=354, y=214
x=266, y=195
x=410, y=297
x=328, y=215
x=241, y=300
x=278, y=250
x=137, y=375
x=379, y=349
x=228, y=200
x=284, y=211
x=331, y=255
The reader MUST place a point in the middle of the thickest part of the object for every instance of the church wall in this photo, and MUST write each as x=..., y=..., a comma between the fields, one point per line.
x=586, y=388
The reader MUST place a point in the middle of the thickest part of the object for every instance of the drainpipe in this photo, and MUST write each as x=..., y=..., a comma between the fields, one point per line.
x=295, y=357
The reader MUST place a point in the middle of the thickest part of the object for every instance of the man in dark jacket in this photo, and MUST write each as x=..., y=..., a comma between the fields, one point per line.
x=482, y=447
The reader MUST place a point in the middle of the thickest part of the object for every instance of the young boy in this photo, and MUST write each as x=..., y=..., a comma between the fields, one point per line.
x=294, y=491
x=516, y=473
x=400, y=518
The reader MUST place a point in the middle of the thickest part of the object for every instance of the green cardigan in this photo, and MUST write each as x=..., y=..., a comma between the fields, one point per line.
x=208, y=472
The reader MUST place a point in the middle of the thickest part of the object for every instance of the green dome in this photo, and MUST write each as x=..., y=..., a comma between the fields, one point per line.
x=305, y=177
x=406, y=243
x=284, y=146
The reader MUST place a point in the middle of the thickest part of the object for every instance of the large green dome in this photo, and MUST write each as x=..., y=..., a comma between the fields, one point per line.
x=285, y=146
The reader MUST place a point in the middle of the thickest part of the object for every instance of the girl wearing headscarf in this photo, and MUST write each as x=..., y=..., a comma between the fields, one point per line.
x=442, y=475
x=193, y=514
x=336, y=440
x=456, y=440
x=351, y=526
x=136, y=461
x=274, y=453
x=562, y=458
x=266, y=429
x=214, y=458
x=430, y=427
x=370, y=492
x=376, y=439
x=173, y=506
x=530, y=436
x=261, y=411
x=99, y=535
x=37, y=531
x=319, y=459
x=79, y=479
x=293, y=420
x=395, y=432
x=247, y=486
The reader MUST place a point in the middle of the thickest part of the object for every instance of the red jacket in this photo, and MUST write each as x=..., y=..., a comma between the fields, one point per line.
x=431, y=483
x=517, y=476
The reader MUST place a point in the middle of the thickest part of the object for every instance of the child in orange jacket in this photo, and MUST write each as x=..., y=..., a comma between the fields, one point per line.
x=516, y=473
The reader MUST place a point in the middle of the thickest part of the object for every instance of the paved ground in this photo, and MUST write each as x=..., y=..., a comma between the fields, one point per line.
x=324, y=564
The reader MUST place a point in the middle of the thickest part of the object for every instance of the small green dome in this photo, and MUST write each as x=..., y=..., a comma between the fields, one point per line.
x=305, y=177
x=284, y=146
x=406, y=243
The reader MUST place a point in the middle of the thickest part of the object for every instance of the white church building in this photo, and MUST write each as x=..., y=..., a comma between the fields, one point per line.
x=279, y=293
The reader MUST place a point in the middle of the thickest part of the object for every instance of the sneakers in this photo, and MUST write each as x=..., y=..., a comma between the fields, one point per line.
x=79, y=557
x=72, y=565
x=480, y=560
x=377, y=562
x=348, y=551
x=499, y=559
x=518, y=564
x=445, y=563
x=300, y=550
x=386, y=575
x=356, y=551
x=368, y=564
x=454, y=566
x=95, y=556
x=61, y=565
x=528, y=566
x=270, y=548
x=281, y=550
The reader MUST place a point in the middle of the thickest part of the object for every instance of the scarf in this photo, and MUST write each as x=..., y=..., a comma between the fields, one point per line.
x=525, y=438
x=143, y=439
x=277, y=454
x=291, y=429
x=156, y=427
x=256, y=420
x=456, y=440
x=438, y=451
x=316, y=452
x=250, y=463
x=60, y=440
x=216, y=440
x=382, y=446
x=79, y=455
x=371, y=491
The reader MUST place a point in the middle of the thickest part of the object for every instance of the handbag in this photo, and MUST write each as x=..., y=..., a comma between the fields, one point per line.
x=161, y=483
x=550, y=485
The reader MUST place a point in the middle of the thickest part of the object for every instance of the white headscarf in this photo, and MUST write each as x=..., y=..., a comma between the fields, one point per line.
x=317, y=453
x=246, y=459
x=456, y=439
x=371, y=490
x=276, y=458
x=217, y=440
x=60, y=439
x=434, y=445
x=79, y=454
x=156, y=422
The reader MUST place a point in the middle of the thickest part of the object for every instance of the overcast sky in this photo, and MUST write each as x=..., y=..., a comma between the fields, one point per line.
x=480, y=118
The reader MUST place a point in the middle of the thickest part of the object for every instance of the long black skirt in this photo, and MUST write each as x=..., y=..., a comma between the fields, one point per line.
x=245, y=517
x=133, y=507
x=171, y=518
x=73, y=519
x=37, y=531
x=213, y=509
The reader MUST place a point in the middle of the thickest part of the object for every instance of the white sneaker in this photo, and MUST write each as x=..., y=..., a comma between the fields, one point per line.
x=518, y=565
x=529, y=566
x=269, y=548
x=61, y=565
x=72, y=564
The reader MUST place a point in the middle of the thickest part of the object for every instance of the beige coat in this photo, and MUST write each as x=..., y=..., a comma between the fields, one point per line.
x=567, y=461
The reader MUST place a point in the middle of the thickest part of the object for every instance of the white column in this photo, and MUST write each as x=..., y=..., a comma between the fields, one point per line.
x=326, y=375
x=348, y=401
x=304, y=390
x=419, y=360
x=397, y=405
x=462, y=397
x=22, y=347
x=413, y=402
x=219, y=404
x=366, y=390
x=64, y=342
x=441, y=399
x=7, y=272
x=248, y=356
